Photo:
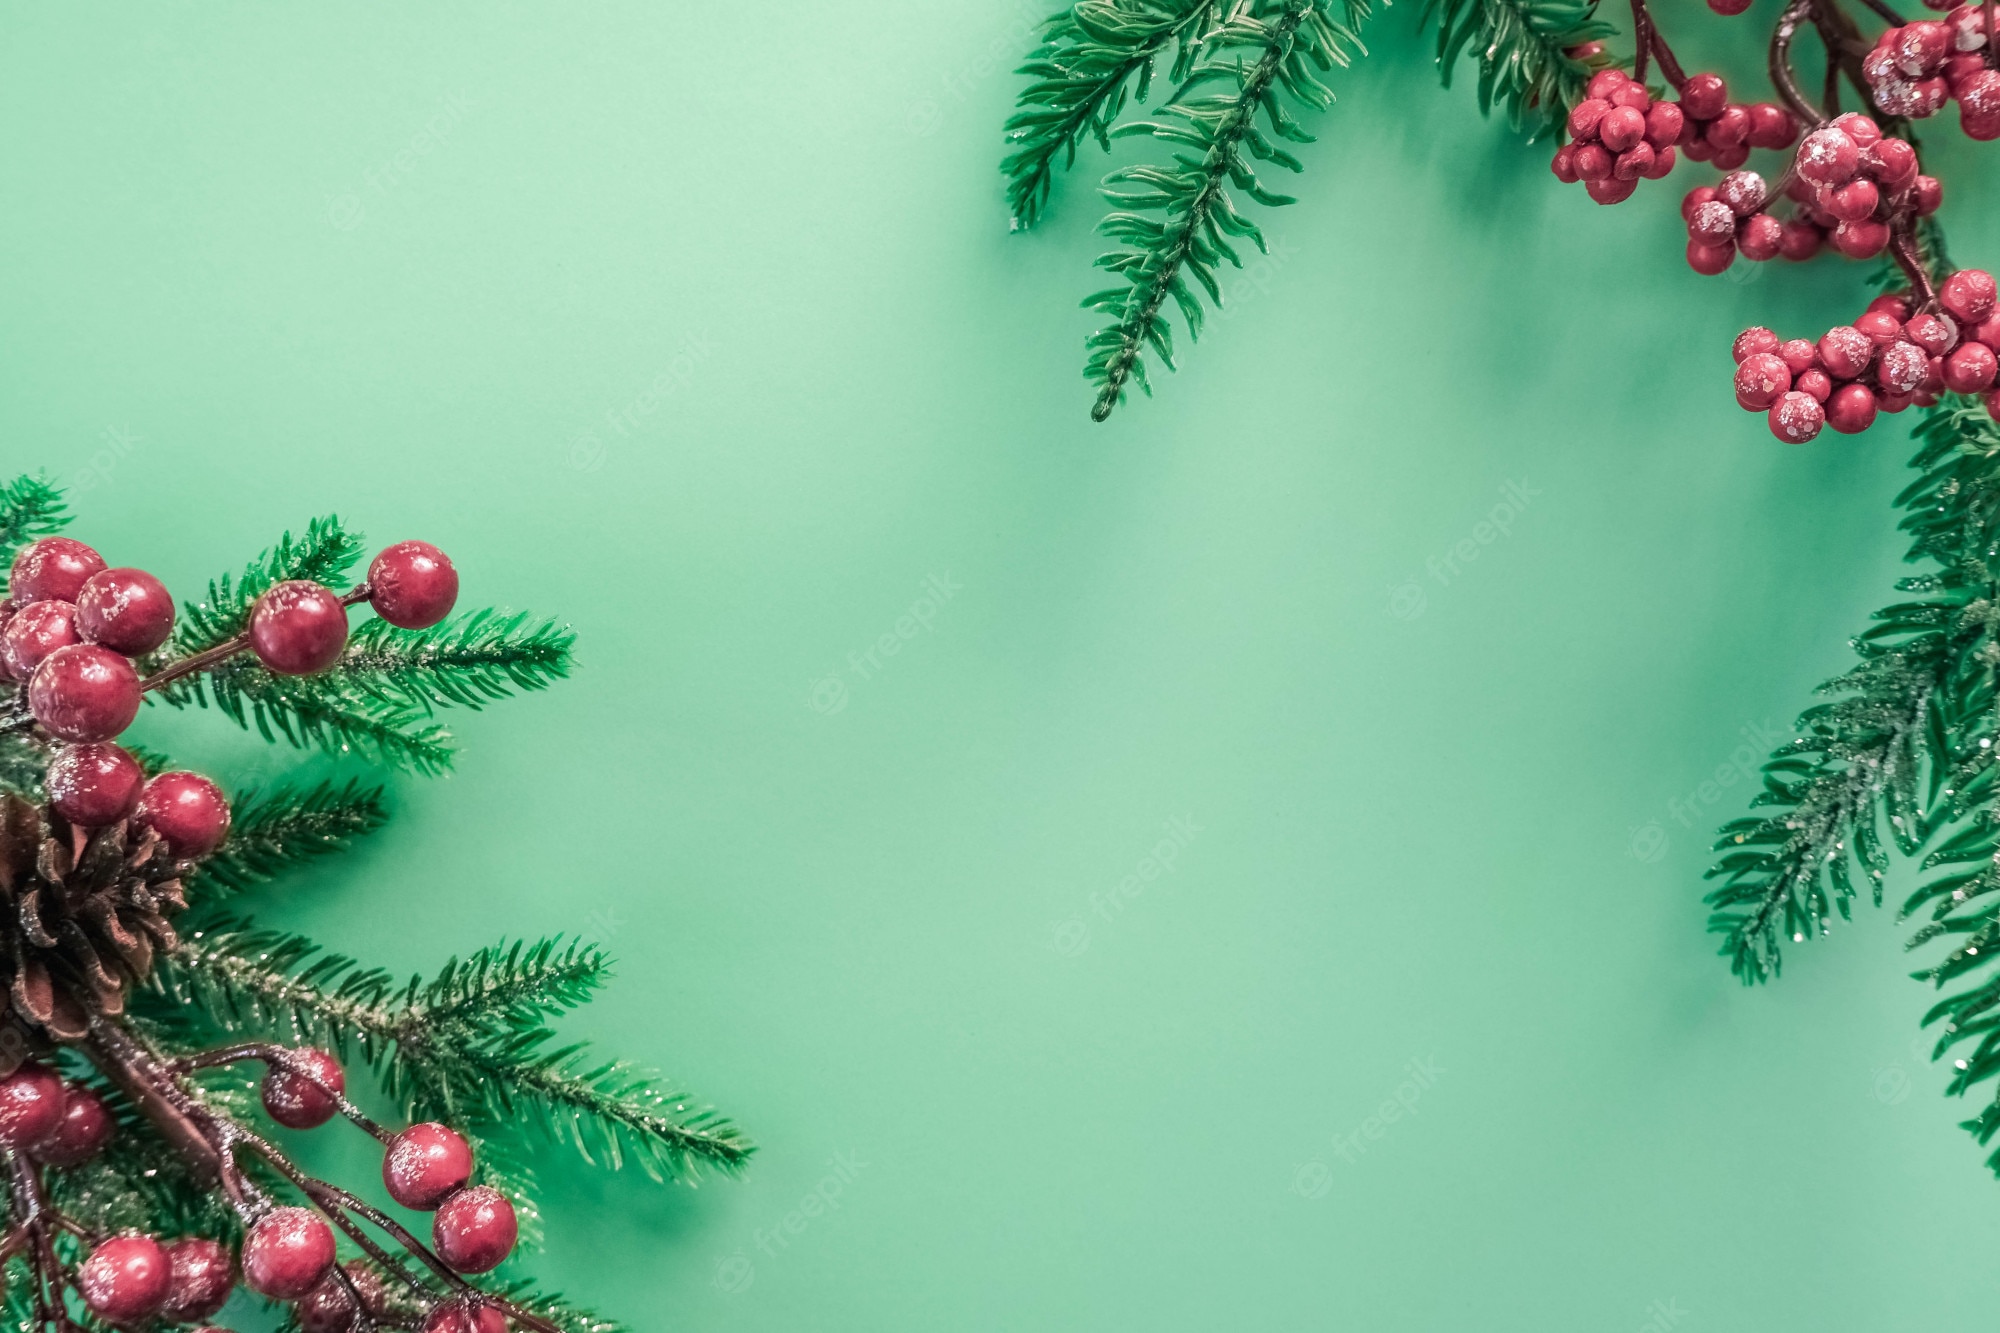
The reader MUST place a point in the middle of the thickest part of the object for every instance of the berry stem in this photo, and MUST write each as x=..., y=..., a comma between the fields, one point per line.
x=223, y=651
x=1780, y=63
x=1903, y=246
x=287, y=1060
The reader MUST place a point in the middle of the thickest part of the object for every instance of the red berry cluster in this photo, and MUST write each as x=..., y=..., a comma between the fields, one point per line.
x=1915, y=69
x=1618, y=134
x=1887, y=359
x=1723, y=132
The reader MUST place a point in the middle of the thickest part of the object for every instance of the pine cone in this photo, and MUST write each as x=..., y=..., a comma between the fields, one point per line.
x=81, y=911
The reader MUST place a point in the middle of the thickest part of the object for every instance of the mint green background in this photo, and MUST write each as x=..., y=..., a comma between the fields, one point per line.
x=1417, y=836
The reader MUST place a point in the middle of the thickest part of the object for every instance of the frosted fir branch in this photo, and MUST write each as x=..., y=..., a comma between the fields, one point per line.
x=326, y=712
x=272, y=831
x=467, y=661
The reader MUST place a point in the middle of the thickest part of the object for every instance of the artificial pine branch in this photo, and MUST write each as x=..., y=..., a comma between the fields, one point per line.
x=272, y=831
x=466, y=662
x=326, y=554
x=1523, y=50
x=30, y=508
x=1264, y=51
x=1083, y=71
x=328, y=712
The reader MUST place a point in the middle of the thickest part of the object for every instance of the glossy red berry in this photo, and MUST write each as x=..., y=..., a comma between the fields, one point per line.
x=1760, y=237
x=1861, y=240
x=1796, y=417
x=52, y=569
x=33, y=632
x=186, y=809
x=1798, y=354
x=1728, y=132
x=1591, y=162
x=125, y=1278
x=31, y=1105
x=1663, y=163
x=84, y=693
x=1729, y=8
x=1563, y=165
x=1845, y=351
x=1968, y=295
x=298, y=627
x=1710, y=260
x=474, y=1229
x=1761, y=380
x=86, y=1126
x=1586, y=116
x=1890, y=303
x=1970, y=368
x=1853, y=201
x=1880, y=326
x=327, y=1308
x=1892, y=162
x=202, y=1272
x=1801, y=240
x=1610, y=190
x=1704, y=95
x=412, y=585
x=1929, y=195
x=1663, y=124
x=424, y=1164
x=1621, y=127
x=95, y=784
x=287, y=1253
x=459, y=1317
x=1634, y=163
x=1851, y=409
x=303, y=1097
x=1931, y=332
x=1752, y=341
x=125, y=610
x=1771, y=126
x=1828, y=157
x=1815, y=384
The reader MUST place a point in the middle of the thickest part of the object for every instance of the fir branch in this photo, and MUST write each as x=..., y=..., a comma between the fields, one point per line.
x=1264, y=49
x=1522, y=47
x=538, y=980
x=466, y=661
x=329, y=711
x=558, y=1311
x=23, y=764
x=1083, y=70
x=236, y=981
x=30, y=509
x=272, y=831
x=324, y=555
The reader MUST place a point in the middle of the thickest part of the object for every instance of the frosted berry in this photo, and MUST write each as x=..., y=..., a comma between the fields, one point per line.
x=1902, y=367
x=33, y=632
x=300, y=1102
x=424, y=1164
x=1861, y=240
x=86, y=1126
x=186, y=809
x=287, y=1253
x=1979, y=105
x=1752, y=341
x=125, y=1279
x=1760, y=237
x=1933, y=333
x=95, y=784
x=474, y=1229
x=327, y=1308
x=412, y=585
x=1796, y=418
x=31, y=1105
x=1714, y=223
x=125, y=610
x=1968, y=295
x=459, y=1317
x=1970, y=368
x=202, y=1274
x=298, y=627
x=84, y=693
x=1851, y=410
x=1761, y=380
x=1744, y=192
x=1704, y=95
x=1828, y=157
x=1845, y=351
x=52, y=569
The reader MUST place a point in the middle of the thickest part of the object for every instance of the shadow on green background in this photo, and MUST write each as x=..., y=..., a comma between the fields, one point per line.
x=702, y=327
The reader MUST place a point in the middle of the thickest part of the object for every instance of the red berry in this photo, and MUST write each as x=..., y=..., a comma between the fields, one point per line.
x=1853, y=201
x=287, y=1253
x=1728, y=159
x=33, y=632
x=1815, y=384
x=1633, y=163
x=327, y=1308
x=94, y=785
x=1858, y=128
x=1694, y=199
x=86, y=1126
x=1845, y=351
x=424, y=1164
x=1979, y=105
x=1970, y=368
x=1591, y=162
x=125, y=610
x=1620, y=128
x=1663, y=124
x=1891, y=402
x=1798, y=354
x=1801, y=241
x=31, y=1105
x=1902, y=367
x=1663, y=162
x=1933, y=333
x=1771, y=126
x=1631, y=94
x=186, y=809
x=1714, y=223
x=1744, y=192
x=1704, y=96
x=203, y=1272
x=84, y=693
x=1892, y=162
x=298, y=627
x=1760, y=237
x=1921, y=47
x=304, y=1097
x=1730, y=130
x=1611, y=191
x=1728, y=7
x=1561, y=165
x=1861, y=240
x=461, y=1318
x=1796, y=418
x=1696, y=148
x=1961, y=67
x=1761, y=380
x=1930, y=194
x=1585, y=117
x=1892, y=304
x=125, y=1278
x=1606, y=82
x=1710, y=259
x=1752, y=341
x=1828, y=157
x=52, y=569
x=1880, y=326
x=1851, y=410
x=1968, y=295
x=474, y=1229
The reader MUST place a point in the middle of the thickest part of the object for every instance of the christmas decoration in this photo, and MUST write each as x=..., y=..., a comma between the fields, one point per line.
x=144, y=1020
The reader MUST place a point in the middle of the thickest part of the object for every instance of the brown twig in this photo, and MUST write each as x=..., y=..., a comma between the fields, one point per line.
x=222, y=652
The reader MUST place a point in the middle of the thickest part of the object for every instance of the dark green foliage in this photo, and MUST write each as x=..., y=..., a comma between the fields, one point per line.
x=21, y=766
x=270, y=831
x=1521, y=47
x=325, y=555
x=1178, y=222
x=325, y=711
x=30, y=509
x=465, y=661
x=1083, y=71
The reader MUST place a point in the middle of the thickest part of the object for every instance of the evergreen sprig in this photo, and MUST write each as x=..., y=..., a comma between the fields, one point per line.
x=1178, y=221
x=30, y=509
x=1522, y=48
x=325, y=555
x=1091, y=58
x=272, y=831
x=328, y=711
x=466, y=661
